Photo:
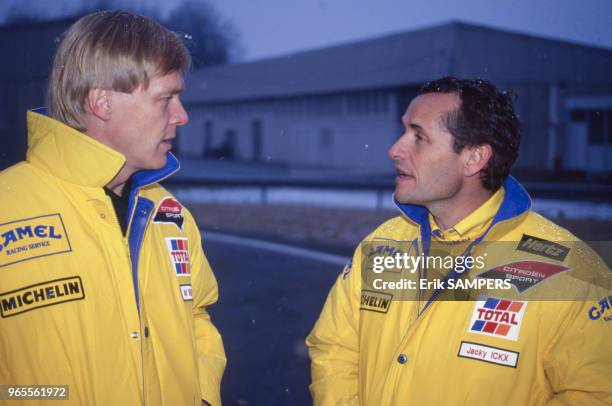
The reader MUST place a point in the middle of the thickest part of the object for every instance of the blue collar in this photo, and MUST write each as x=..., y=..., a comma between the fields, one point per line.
x=516, y=202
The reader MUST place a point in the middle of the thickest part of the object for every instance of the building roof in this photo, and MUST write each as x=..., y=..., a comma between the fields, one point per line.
x=404, y=59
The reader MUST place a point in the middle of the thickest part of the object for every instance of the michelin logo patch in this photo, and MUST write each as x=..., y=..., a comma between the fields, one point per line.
x=31, y=238
x=41, y=295
x=498, y=318
x=524, y=275
x=179, y=255
x=169, y=211
x=375, y=301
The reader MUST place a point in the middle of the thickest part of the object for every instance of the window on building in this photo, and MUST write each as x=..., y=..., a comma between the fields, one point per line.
x=609, y=126
x=257, y=139
x=328, y=105
x=208, y=138
x=578, y=116
x=596, y=127
x=367, y=103
x=227, y=149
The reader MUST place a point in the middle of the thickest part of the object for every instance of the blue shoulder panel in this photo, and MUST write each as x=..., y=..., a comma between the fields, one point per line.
x=138, y=217
x=516, y=201
x=143, y=210
x=144, y=178
x=41, y=110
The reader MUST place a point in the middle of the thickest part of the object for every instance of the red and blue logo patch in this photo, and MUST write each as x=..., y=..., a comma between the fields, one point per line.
x=179, y=255
x=169, y=211
x=524, y=275
x=498, y=318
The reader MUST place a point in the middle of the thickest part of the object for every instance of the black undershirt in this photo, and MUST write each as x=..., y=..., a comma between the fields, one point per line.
x=120, y=203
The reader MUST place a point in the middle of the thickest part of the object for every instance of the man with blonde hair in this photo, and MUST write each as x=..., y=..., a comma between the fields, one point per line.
x=104, y=284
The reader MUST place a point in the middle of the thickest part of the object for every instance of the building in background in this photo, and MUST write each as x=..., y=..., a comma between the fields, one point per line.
x=339, y=108
x=27, y=52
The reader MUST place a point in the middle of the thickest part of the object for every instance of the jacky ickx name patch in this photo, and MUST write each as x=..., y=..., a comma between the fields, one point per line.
x=489, y=354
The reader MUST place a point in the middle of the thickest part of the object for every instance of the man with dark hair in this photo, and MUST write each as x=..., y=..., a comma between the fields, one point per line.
x=104, y=285
x=468, y=298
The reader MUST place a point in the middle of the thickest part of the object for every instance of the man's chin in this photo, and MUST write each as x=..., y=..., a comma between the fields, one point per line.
x=405, y=198
x=157, y=164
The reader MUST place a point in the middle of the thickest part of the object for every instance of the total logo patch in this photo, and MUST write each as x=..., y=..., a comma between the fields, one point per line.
x=498, y=318
x=178, y=250
x=169, y=211
x=524, y=275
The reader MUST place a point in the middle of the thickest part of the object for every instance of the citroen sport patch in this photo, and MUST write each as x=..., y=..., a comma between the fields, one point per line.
x=498, y=318
x=41, y=295
x=375, y=301
x=524, y=275
x=169, y=211
x=488, y=354
x=186, y=292
x=179, y=255
x=31, y=238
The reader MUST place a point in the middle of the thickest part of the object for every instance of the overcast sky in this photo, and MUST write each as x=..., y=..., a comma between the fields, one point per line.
x=276, y=27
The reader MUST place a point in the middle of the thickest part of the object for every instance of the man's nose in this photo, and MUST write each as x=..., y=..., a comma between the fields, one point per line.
x=180, y=116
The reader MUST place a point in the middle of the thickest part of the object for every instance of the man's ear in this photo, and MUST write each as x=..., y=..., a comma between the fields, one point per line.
x=477, y=157
x=98, y=103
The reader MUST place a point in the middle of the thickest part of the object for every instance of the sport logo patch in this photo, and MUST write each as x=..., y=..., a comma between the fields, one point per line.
x=31, y=238
x=544, y=248
x=375, y=301
x=179, y=255
x=41, y=295
x=524, y=275
x=169, y=211
x=498, y=318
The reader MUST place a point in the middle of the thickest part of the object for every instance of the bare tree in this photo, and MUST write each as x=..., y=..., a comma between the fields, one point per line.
x=211, y=39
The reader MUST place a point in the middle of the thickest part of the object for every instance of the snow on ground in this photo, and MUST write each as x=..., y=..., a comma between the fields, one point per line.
x=364, y=199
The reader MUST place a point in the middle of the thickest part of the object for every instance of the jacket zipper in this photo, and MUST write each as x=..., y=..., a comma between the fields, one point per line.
x=126, y=246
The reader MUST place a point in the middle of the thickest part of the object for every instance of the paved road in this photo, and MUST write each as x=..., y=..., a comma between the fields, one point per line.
x=269, y=301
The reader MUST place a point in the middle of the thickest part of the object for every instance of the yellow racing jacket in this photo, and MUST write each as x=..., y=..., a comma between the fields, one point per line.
x=536, y=332
x=120, y=320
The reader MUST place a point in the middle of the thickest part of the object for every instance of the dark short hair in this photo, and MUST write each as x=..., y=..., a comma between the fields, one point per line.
x=486, y=116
